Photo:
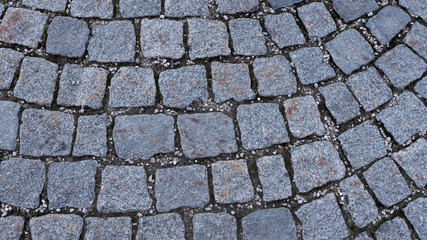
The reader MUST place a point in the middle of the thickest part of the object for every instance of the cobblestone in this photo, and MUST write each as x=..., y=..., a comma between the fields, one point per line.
x=50, y=5
x=162, y=227
x=119, y=228
x=186, y=8
x=350, y=10
x=415, y=212
x=11, y=227
x=421, y=87
x=282, y=3
x=140, y=8
x=416, y=7
x=9, y=123
x=237, y=6
x=92, y=8
x=215, y=226
x=9, y=63
x=91, y=138
x=363, y=236
x=247, y=37
x=394, y=229
x=317, y=20
x=1, y=8
x=284, y=30
x=56, y=226
x=417, y=39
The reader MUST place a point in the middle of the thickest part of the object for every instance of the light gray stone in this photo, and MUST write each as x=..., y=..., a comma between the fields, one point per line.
x=161, y=227
x=417, y=215
x=214, y=226
x=417, y=7
x=282, y=3
x=284, y=30
x=9, y=123
x=11, y=227
x=117, y=228
x=237, y=6
x=274, y=178
x=91, y=138
x=316, y=19
x=56, y=226
x=421, y=87
x=417, y=39
x=363, y=236
x=92, y=8
x=247, y=37
x=9, y=63
x=350, y=10
x=140, y=8
x=186, y=8
x=393, y=229
x=50, y=5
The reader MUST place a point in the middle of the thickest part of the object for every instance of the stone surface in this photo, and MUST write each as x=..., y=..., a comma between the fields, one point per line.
x=282, y=3
x=140, y=8
x=247, y=37
x=9, y=123
x=416, y=7
x=1, y=8
x=393, y=229
x=421, y=87
x=91, y=138
x=350, y=10
x=237, y=6
x=363, y=236
x=11, y=227
x=186, y=8
x=417, y=39
x=316, y=19
x=9, y=63
x=161, y=227
x=50, y=5
x=92, y=8
x=284, y=30
x=417, y=215
x=215, y=226
x=119, y=228
x=56, y=226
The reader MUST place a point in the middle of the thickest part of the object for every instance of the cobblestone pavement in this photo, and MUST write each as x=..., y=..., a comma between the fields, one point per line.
x=219, y=119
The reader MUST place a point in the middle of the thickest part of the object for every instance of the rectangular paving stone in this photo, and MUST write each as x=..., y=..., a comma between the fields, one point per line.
x=50, y=5
x=140, y=8
x=284, y=30
x=9, y=123
x=416, y=7
x=417, y=39
x=123, y=189
x=82, y=86
x=71, y=184
x=282, y=3
x=317, y=20
x=161, y=227
x=261, y=125
x=46, y=133
x=162, y=38
x=21, y=182
x=421, y=87
x=22, y=26
x=215, y=226
x=92, y=9
x=417, y=215
x=91, y=138
x=237, y=6
x=350, y=10
x=231, y=182
x=37, y=81
x=11, y=227
x=56, y=226
x=394, y=229
x=9, y=63
x=118, y=228
x=247, y=37
x=142, y=136
x=206, y=134
x=185, y=186
x=185, y=8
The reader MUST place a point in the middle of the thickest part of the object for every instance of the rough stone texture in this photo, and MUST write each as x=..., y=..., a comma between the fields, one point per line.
x=82, y=86
x=363, y=236
x=231, y=81
x=175, y=8
x=214, y=226
x=237, y=6
x=340, y=102
x=36, y=81
x=303, y=116
x=362, y=144
x=274, y=76
x=132, y=87
x=92, y=8
x=91, y=138
x=284, y=30
x=282, y=3
x=192, y=190
x=406, y=118
x=162, y=38
x=112, y=42
x=143, y=136
x=9, y=123
x=269, y=224
x=421, y=87
x=247, y=36
x=118, y=228
x=11, y=227
x=417, y=39
x=21, y=182
x=322, y=217
x=394, y=229
x=22, y=26
x=56, y=226
x=350, y=10
x=207, y=38
x=417, y=215
x=360, y=204
x=316, y=19
x=206, y=134
x=123, y=189
x=9, y=63
x=401, y=66
x=140, y=8
x=380, y=175
x=46, y=133
x=415, y=6
x=161, y=227
x=274, y=178
x=50, y=5
x=369, y=88
x=1, y=8
x=231, y=181
x=71, y=184
x=67, y=37
x=310, y=65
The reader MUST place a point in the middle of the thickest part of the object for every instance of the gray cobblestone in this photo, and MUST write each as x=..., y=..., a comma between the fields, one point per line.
x=237, y=6
x=91, y=138
x=215, y=226
x=421, y=87
x=161, y=227
x=416, y=7
x=118, y=228
x=417, y=39
x=247, y=37
x=56, y=226
x=394, y=229
x=363, y=236
x=284, y=30
x=417, y=215
x=11, y=227
x=282, y=3
x=350, y=10
x=1, y=8
x=9, y=123
x=9, y=63
x=316, y=19
x=186, y=8
x=51, y=5
x=92, y=8
x=140, y=8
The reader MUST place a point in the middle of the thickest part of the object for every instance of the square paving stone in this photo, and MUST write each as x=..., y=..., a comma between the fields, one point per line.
x=237, y=6
x=183, y=86
x=161, y=227
x=413, y=160
x=37, y=81
x=206, y=134
x=91, y=138
x=46, y=133
x=162, y=38
x=123, y=189
x=214, y=226
x=231, y=81
x=421, y=87
x=231, y=182
x=112, y=42
x=50, y=5
x=21, y=182
x=9, y=122
x=133, y=87
x=394, y=229
x=284, y=30
x=118, y=228
x=322, y=217
x=207, y=38
x=261, y=125
x=349, y=50
x=82, y=86
x=274, y=178
x=362, y=144
x=380, y=175
x=401, y=66
x=143, y=136
x=274, y=76
x=362, y=207
x=67, y=36
x=406, y=118
x=316, y=164
x=417, y=215
x=317, y=19
x=92, y=9
x=417, y=7
x=310, y=65
x=340, y=102
x=369, y=88
x=9, y=63
x=350, y=10
x=71, y=184
x=22, y=26
x=303, y=117
x=140, y=8
x=175, y=8
x=247, y=37
x=11, y=227
x=185, y=186
x=417, y=39
x=56, y=226
x=269, y=224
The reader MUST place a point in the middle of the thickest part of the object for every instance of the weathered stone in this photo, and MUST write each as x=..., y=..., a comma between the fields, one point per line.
x=282, y=3
x=186, y=8
x=421, y=87
x=417, y=215
x=92, y=9
x=215, y=226
x=11, y=227
x=247, y=37
x=56, y=226
x=91, y=138
x=50, y=5
x=118, y=228
x=394, y=229
x=317, y=19
x=237, y=6
x=1, y=8
x=9, y=63
x=388, y=23
x=417, y=39
x=417, y=7
x=350, y=10
x=363, y=236
x=140, y=8
x=9, y=123
x=284, y=30
x=161, y=227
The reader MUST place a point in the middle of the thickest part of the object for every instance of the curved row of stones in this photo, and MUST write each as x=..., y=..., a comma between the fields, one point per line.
x=286, y=147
